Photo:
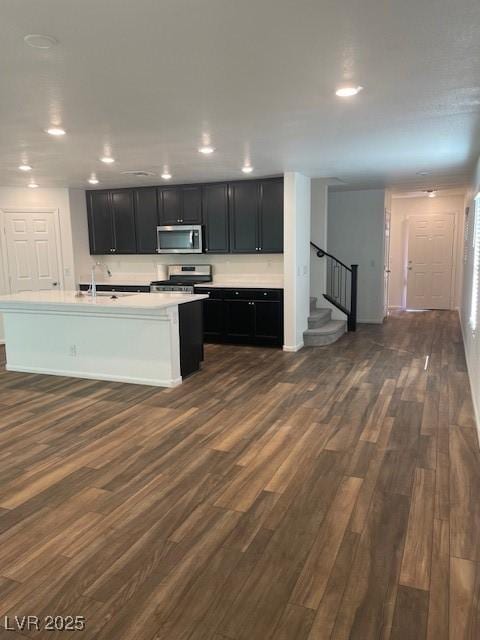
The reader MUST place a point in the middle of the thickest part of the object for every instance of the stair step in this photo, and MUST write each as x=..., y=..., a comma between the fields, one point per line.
x=313, y=303
x=319, y=317
x=328, y=333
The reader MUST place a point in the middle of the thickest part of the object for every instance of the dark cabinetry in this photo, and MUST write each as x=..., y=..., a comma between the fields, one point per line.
x=180, y=205
x=146, y=219
x=111, y=220
x=256, y=216
x=237, y=217
x=215, y=218
x=243, y=316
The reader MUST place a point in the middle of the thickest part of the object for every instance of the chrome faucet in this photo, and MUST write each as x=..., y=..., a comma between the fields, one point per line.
x=93, y=283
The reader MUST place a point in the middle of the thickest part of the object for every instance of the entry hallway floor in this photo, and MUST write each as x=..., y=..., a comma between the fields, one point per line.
x=331, y=493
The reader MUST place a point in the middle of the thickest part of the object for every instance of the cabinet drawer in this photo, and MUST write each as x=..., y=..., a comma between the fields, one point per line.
x=253, y=294
x=214, y=293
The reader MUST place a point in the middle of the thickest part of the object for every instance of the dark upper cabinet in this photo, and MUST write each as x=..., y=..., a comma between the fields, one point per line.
x=100, y=228
x=244, y=203
x=123, y=214
x=146, y=219
x=215, y=218
x=270, y=219
x=180, y=205
x=169, y=205
x=191, y=204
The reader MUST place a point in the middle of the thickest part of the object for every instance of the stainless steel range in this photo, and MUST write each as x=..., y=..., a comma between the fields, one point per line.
x=183, y=278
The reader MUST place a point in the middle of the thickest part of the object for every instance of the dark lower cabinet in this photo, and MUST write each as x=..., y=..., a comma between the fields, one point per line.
x=243, y=316
x=190, y=327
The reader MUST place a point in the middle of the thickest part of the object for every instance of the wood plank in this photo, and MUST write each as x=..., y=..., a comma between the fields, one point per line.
x=410, y=619
x=437, y=628
x=417, y=554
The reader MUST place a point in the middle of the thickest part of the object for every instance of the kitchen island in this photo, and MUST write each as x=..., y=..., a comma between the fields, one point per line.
x=148, y=338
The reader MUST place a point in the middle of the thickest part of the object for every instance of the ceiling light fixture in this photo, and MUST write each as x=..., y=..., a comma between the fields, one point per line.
x=348, y=91
x=247, y=169
x=39, y=41
x=93, y=179
x=56, y=131
x=166, y=175
x=108, y=159
x=207, y=150
x=25, y=167
x=431, y=193
x=32, y=185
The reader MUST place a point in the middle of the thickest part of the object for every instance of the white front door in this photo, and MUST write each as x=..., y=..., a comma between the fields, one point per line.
x=31, y=250
x=430, y=261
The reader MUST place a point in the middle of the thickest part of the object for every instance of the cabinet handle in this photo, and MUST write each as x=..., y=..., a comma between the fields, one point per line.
x=236, y=293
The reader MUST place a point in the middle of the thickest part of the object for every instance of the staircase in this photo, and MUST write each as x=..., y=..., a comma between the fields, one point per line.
x=322, y=330
x=341, y=292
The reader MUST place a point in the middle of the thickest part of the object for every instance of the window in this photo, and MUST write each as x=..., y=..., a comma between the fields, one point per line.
x=476, y=265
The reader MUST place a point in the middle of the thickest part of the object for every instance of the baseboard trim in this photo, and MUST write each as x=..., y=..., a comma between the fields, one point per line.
x=96, y=376
x=293, y=349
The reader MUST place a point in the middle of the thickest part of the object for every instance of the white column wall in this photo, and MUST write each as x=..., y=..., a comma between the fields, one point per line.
x=297, y=208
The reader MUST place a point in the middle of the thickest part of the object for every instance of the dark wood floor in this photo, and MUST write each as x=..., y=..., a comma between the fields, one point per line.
x=332, y=493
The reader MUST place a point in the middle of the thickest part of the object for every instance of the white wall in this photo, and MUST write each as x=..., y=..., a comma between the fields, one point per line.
x=471, y=339
x=401, y=209
x=297, y=207
x=356, y=236
x=318, y=225
x=25, y=198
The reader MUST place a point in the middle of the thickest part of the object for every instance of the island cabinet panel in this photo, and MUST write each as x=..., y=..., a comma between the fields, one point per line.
x=146, y=219
x=215, y=218
x=243, y=316
x=123, y=221
x=244, y=203
x=270, y=221
x=100, y=227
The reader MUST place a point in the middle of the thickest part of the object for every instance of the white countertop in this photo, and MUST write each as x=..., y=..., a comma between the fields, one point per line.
x=244, y=284
x=146, y=301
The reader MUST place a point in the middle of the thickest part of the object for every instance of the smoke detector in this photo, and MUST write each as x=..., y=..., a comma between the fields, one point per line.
x=139, y=173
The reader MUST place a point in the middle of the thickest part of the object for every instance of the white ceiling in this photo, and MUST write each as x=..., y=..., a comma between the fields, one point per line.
x=149, y=78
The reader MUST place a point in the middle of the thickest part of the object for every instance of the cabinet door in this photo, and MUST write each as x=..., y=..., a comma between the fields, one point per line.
x=268, y=322
x=146, y=219
x=213, y=320
x=215, y=217
x=239, y=321
x=244, y=200
x=271, y=216
x=123, y=221
x=191, y=204
x=169, y=205
x=100, y=228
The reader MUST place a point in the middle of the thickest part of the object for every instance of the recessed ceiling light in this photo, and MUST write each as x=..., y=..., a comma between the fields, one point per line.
x=39, y=41
x=348, y=91
x=32, y=185
x=108, y=159
x=56, y=131
x=431, y=193
x=25, y=167
x=422, y=173
x=247, y=169
x=166, y=175
x=207, y=149
x=93, y=179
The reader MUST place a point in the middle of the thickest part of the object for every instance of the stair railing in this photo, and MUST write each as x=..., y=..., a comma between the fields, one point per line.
x=341, y=285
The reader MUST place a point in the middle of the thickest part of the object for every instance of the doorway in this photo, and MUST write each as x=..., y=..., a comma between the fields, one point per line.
x=430, y=260
x=32, y=256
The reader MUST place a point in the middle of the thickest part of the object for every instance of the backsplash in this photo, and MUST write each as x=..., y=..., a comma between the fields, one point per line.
x=143, y=269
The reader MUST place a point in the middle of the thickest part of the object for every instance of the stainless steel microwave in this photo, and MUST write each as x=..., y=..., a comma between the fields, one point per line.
x=180, y=239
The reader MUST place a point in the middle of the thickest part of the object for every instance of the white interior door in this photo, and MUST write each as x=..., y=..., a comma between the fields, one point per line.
x=32, y=250
x=386, y=262
x=430, y=261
